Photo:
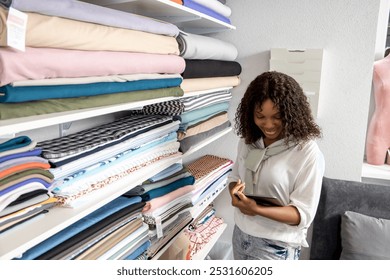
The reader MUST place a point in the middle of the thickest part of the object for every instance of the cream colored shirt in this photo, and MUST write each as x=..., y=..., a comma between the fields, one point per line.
x=294, y=177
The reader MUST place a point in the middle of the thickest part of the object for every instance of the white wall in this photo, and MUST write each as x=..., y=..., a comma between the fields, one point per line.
x=347, y=31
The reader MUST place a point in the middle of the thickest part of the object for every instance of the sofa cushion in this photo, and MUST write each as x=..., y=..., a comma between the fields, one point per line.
x=364, y=237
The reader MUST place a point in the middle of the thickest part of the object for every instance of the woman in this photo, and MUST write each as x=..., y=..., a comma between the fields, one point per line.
x=277, y=157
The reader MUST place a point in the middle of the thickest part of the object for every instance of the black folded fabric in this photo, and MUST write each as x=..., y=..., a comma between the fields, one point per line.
x=6, y=3
x=206, y=68
x=127, y=211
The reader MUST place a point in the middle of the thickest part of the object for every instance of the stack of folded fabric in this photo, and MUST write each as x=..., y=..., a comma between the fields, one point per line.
x=114, y=231
x=210, y=174
x=79, y=55
x=25, y=181
x=96, y=158
x=168, y=202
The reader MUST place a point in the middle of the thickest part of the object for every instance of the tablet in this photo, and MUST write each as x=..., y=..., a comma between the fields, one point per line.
x=265, y=201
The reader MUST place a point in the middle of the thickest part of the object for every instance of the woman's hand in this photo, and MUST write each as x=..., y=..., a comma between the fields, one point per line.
x=240, y=200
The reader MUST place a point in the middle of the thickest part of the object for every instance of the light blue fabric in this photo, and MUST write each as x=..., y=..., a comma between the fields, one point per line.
x=139, y=250
x=89, y=220
x=35, y=152
x=205, y=112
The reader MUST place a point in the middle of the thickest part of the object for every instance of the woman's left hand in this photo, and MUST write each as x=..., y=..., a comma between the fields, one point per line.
x=246, y=205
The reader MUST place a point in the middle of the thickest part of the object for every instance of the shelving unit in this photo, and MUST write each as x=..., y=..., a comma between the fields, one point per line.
x=201, y=255
x=186, y=19
x=16, y=241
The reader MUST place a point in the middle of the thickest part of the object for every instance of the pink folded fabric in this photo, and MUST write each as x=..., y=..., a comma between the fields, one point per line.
x=158, y=202
x=43, y=63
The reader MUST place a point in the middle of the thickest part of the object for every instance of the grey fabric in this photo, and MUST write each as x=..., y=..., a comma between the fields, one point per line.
x=364, y=237
x=337, y=197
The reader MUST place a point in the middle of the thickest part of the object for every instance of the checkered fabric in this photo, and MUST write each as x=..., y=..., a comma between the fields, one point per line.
x=169, y=108
x=98, y=136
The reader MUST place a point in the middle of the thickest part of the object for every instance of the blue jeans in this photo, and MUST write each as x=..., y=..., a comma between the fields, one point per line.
x=247, y=247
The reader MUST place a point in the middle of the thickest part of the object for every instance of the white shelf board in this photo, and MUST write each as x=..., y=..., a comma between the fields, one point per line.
x=186, y=19
x=380, y=172
x=201, y=255
x=207, y=141
x=12, y=126
x=25, y=236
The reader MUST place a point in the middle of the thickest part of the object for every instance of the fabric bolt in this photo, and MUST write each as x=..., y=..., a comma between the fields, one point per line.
x=21, y=167
x=168, y=188
x=18, y=149
x=101, y=247
x=124, y=78
x=198, y=84
x=15, y=143
x=96, y=136
x=12, y=207
x=170, y=108
x=9, y=93
x=205, y=10
x=141, y=189
x=193, y=103
x=169, y=171
x=83, y=11
x=38, y=172
x=162, y=201
x=20, y=221
x=204, y=126
x=203, y=113
x=216, y=6
x=7, y=183
x=57, y=32
x=89, y=220
x=87, y=173
x=34, y=152
x=25, y=182
x=28, y=196
x=213, y=187
x=21, y=160
x=50, y=63
x=83, y=240
x=204, y=165
x=25, y=109
x=203, y=68
x=79, y=163
x=139, y=251
x=135, y=241
x=194, y=46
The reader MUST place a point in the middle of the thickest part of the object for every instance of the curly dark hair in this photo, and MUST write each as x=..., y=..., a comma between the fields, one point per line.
x=285, y=92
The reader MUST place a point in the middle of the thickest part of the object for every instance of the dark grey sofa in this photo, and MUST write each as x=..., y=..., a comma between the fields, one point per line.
x=338, y=196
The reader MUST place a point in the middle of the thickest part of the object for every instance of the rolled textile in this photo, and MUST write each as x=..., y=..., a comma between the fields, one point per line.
x=204, y=68
x=10, y=94
x=56, y=32
x=205, y=10
x=194, y=46
x=215, y=5
x=94, y=79
x=197, y=84
x=83, y=11
x=44, y=63
x=25, y=109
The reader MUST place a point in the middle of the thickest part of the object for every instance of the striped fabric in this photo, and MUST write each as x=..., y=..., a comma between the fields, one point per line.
x=197, y=102
x=97, y=136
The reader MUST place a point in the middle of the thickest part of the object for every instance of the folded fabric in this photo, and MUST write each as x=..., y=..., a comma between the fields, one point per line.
x=198, y=84
x=203, y=113
x=194, y=46
x=103, y=212
x=40, y=107
x=45, y=63
x=34, y=152
x=79, y=10
x=30, y=93
x=203, y=100
x=169, y=108
x=20, y=160
x=204, y=126
x=57, y=32
x=25, y=174
x=216, y=6
x=15, y=143
x=139, y=251
x=204, y=68
x=205, y=10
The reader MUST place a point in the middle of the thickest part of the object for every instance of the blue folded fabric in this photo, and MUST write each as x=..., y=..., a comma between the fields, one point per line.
x=35, y=152
x=205, y=10
x=29, y=93
x=15, y=143
x=23, y=183
x=190, y=180
x=142, y=248
x=89, y=220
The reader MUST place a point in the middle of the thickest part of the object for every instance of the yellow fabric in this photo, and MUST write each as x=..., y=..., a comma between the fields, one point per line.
x=197, y=84
x=56, y=32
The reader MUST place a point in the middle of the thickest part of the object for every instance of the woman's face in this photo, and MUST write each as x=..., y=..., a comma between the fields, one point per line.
x=268, y=120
